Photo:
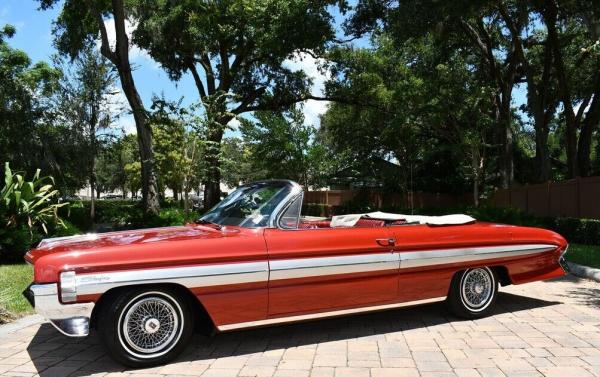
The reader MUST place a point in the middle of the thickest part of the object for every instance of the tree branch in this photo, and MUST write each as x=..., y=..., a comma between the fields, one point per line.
x=197, y=80
x=243, y=107
x=277, y=105
x=210, y=76
x=485, y=47
x=104, y=44
x=225, y=78
x=122, y=41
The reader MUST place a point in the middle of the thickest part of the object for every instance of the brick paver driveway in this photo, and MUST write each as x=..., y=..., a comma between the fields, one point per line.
x=546, y=328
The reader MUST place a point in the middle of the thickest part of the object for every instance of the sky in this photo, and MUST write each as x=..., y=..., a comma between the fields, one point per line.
x=34, y=36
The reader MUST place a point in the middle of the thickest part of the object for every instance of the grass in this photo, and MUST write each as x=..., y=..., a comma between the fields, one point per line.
x=14, y=278
x=586, y=255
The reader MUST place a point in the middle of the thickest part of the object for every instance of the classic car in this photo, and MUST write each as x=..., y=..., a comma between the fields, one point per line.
x=254, y=260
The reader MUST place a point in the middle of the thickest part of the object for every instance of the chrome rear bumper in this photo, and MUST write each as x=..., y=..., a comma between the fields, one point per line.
x=70, y=319
x=563, y=262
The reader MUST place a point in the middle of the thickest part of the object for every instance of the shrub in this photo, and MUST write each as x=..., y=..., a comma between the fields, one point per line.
x=29, y=203
x=16, y=241
x=28, y=211
x=584, y=231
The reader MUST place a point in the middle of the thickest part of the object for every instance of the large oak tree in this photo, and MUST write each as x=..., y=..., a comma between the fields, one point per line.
x=235, y=51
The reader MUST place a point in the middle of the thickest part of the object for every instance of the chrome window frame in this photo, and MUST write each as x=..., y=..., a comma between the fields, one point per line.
x=300, y=197
x=295, y=190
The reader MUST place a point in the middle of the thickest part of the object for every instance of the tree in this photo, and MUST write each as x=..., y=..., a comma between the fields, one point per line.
x=179, y=132
x=236, y=162
x=548, y=45
x=23, y=89
x=431, y=117
x=235, y=51
x=472, y=27
x=578, y=75
x=279, y=145
x=87, y=103
x=82, y=23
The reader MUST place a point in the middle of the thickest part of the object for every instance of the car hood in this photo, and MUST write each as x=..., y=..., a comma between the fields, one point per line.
x=94, y=241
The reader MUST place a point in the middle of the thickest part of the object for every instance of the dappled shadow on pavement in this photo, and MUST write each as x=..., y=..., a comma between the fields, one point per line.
x=56, y=355
x=581, y=294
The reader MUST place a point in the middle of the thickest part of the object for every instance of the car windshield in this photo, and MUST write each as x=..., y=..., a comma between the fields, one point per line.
x=250, y=206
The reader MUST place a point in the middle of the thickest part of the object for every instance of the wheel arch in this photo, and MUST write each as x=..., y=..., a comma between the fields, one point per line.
x=500, y=271
x=502, y=274
x=204, y=322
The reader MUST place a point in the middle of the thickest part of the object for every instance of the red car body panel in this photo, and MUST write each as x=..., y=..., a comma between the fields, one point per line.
x=273, y=290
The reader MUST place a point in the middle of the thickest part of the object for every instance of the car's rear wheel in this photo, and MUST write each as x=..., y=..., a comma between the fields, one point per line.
x=146, y=327
x=473, y=292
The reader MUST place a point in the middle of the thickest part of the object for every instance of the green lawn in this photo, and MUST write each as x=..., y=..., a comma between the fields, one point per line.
x=14, y=278
x=585, y=255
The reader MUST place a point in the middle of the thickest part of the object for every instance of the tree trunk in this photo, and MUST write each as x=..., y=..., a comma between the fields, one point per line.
x=542, y=154
x=212, y=184
x=144, y=137
x=571, y=133
x=92, y=202
x=571, y=122
x=186, y=202
x=475, y=166
x=584, y=147
x=120, y=58
x=506, y=139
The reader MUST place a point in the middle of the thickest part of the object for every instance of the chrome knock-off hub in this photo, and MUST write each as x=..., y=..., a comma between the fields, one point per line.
x=151, y=325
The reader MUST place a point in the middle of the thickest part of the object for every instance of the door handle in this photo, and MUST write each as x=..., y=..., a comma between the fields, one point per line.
x=386, y=241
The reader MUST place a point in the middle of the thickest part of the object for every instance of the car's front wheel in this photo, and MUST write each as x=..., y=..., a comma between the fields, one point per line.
x=472, y=292
x=143, y=327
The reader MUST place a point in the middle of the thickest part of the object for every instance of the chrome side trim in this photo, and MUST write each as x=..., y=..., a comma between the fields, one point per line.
x=191, y=277
x=239, y=273
x=307, y=267
x=70, y=319
x=411, y=259
x=335, y=313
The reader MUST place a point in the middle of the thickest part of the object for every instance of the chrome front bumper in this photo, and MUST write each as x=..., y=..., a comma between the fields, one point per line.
x=70, y=319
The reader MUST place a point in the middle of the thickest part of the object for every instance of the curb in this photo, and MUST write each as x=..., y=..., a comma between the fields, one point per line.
x=584, y=271
x=20, y=324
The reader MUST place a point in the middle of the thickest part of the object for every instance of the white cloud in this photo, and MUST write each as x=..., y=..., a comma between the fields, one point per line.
x=136, y=54
x=128, y=124
x=302, y=61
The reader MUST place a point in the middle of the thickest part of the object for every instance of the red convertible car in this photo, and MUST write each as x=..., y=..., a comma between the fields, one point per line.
x=253, y=260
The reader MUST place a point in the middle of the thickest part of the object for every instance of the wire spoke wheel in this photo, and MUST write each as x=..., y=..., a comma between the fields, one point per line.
x=150, y=325
x=477, y=288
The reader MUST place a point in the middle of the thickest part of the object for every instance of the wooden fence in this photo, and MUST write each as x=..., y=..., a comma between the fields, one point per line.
x=578, y=197
x=378, y=199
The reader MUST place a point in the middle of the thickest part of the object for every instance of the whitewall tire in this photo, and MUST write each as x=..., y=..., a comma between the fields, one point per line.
x=473, y=292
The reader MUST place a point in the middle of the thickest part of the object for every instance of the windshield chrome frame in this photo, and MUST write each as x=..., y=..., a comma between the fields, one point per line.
x=288, y=204
x=296, y=189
